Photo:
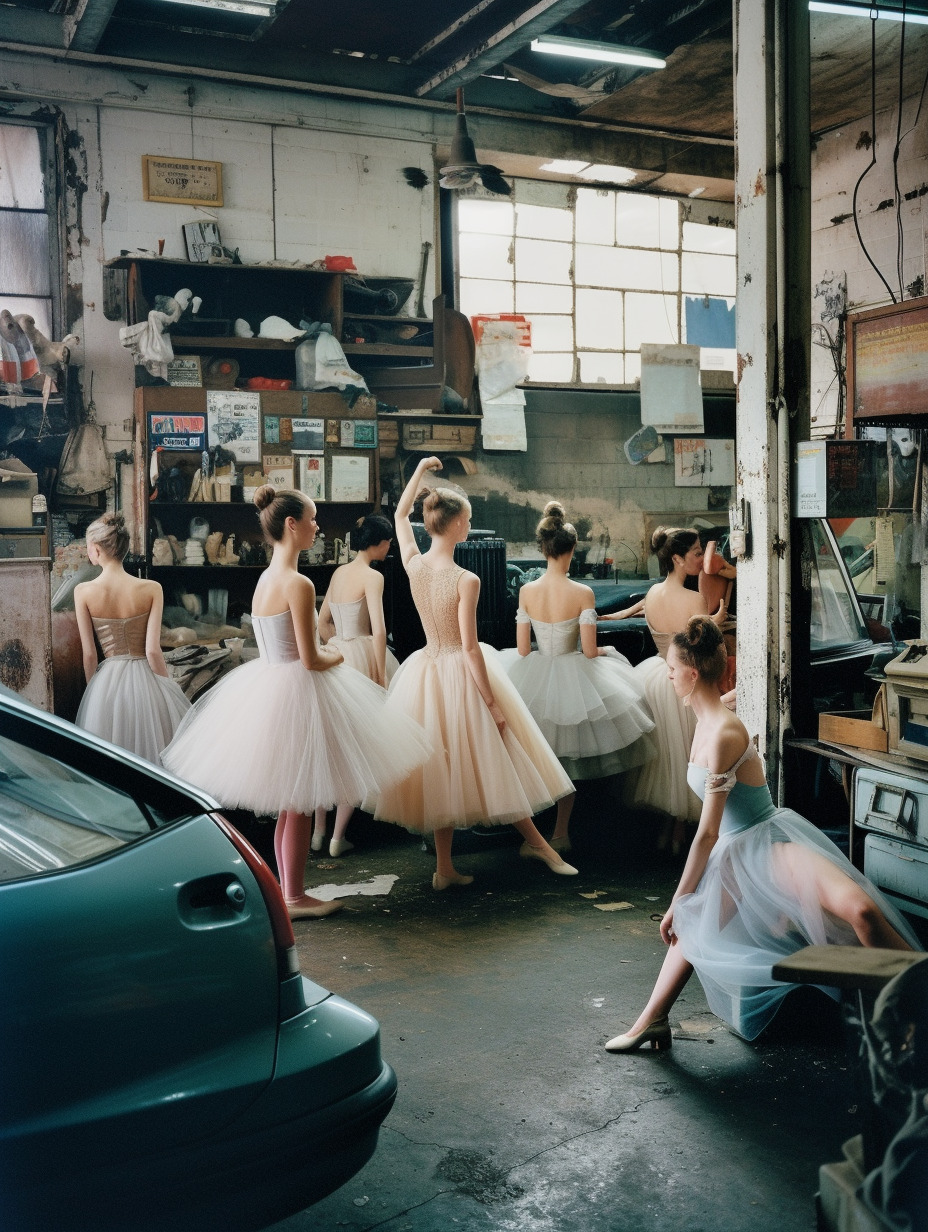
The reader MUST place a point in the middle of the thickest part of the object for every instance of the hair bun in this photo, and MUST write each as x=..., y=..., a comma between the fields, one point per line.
x=703, y=634
x=264, y=495
x=555, y=511
x=659, y=538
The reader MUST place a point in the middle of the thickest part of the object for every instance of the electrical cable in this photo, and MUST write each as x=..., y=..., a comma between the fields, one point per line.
x=900, y=244
x=872, y=163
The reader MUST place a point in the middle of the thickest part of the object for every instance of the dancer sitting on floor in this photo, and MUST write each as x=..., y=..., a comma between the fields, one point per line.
x=491, y=764
x=759, y=883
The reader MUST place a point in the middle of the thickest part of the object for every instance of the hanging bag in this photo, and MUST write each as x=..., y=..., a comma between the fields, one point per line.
x=85, y=467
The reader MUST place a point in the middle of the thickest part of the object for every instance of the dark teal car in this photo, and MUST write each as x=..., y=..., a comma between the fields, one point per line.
x=164, y=1063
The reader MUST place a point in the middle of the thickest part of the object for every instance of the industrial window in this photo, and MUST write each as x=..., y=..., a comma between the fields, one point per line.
x=598, y=272
x=28, y=248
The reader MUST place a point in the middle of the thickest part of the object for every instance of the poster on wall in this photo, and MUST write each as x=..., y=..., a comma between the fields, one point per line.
x=234, y=422
x=310, y=474
x=702, y=463
x=307, y=434
x=351, y=477
x=181, y=180
x=671, y=395
x=887, y=368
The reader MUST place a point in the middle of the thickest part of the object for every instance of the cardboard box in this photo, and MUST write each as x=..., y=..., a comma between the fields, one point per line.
x=388, y=437
x=18, y=485
x=439, y=438
x=853, y=727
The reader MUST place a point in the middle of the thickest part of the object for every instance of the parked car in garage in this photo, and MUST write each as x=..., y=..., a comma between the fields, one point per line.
x=165, y=1063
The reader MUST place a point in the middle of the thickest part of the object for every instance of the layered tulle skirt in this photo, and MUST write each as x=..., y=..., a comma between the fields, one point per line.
x=130, y=705
x=474, y=774
x=660, y=784
x=592, y=712
x=271, y=737
x=759, y=901
x=358, y=652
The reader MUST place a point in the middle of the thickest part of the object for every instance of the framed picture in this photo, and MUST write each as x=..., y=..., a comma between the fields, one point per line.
x=199, y=239
x=185, y=371
x=887, y=363
x=310, y=474
x=181, y=180
x=308, y=434
x=351, y=478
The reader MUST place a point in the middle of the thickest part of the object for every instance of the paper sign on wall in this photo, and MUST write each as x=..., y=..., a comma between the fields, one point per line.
x=671, y=395
x=701, y=463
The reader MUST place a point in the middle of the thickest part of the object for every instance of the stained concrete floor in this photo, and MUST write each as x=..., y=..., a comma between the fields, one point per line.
x=494, y=1003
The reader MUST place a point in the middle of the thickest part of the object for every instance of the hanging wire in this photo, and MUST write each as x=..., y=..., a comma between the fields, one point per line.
x=872, y=163
x=896, y=192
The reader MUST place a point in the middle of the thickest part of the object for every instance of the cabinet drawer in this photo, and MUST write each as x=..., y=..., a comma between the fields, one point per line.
x=900, y=870
x=889, y=803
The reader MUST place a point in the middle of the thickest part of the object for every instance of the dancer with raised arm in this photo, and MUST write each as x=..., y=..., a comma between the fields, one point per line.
x=759, y=883
x=130, y=698
x=296, y=728
x=491, y=764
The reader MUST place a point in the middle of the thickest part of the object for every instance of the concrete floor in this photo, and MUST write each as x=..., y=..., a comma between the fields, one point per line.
x=494, y=1002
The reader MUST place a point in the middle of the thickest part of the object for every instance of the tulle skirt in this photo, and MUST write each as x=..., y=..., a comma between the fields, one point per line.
x=758, y=901
x=277, y=736
x=130, y=705
x=591, y=711
x=474, y=774
x=660, y=783
x=358, y=652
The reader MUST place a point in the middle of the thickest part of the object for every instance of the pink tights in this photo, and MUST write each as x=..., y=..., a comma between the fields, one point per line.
x=292, y=836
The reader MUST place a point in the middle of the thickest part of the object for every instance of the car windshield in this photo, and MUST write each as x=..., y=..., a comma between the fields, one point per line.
x=836, y=617
x=53, y=816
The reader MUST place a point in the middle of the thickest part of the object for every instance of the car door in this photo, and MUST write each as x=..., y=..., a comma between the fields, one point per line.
x=140, y=990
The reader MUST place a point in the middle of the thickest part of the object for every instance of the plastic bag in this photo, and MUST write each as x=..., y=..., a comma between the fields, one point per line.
x=85, y=468
x=321, y=362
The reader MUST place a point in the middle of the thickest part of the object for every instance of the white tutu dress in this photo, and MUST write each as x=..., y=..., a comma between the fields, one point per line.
x=475, y=774
x=751, y=909
x=126, y=702
x=273, y=735
x=591, y=711
x=354, y=639
x=661, y=783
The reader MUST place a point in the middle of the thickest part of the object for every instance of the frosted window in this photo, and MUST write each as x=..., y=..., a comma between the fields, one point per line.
x=596, y=367
x=650, y=318
x=543, y=297
x=699, y=237
x=490, y=217
x=598, y=266
x=632, y=367
x=595, y=216
x=24, y=264
x=21, y=183
x=552, y=333
x=646, y=222
x=629, y=268
x=553, y=368
x=599, y=319
x=39, y=309
x=543, y=223
x=485, y=256
x=707, y=274
x=480, y=295
x=543, y=261
x=543, y=192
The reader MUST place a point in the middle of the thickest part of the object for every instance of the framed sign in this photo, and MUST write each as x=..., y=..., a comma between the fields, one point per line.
x=181, y=181
x=887, y=363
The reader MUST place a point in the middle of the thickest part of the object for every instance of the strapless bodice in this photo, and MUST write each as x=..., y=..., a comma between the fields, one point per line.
x=557, y=637
x=661, y=641
x=746, y=806
x=351, y=620
x=121, y=637
x=435, y=594
x=276, y=638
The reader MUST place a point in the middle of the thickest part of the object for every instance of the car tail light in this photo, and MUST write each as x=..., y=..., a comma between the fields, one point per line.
x=287, y=959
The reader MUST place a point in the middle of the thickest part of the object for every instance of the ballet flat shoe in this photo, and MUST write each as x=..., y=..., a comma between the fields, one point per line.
x=297, y=911
x=657, y=1034
x=317, y=841
x=442, y=883
x=339, y=846
x=560, y=844
x=556, y=865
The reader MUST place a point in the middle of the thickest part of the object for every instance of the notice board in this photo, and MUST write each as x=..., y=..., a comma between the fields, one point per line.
x=887, y=363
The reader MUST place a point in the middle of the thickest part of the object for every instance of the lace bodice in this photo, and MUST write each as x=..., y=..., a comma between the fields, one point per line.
x=351, y=620
x=276, y=638
x=435, y=593
x=121, y=637
x=557, y=637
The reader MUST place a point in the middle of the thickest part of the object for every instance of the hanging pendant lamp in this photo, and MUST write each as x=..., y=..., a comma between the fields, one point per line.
x=463, y=170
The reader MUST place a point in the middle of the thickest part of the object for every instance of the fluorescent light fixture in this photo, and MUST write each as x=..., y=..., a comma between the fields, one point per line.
x=587, y=49
x=697, y=192
x=867, y=10
x=608, y=175
x=564, y=166
x=256, y=8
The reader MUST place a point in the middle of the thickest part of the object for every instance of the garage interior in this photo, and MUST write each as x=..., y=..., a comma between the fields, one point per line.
x=331, y=130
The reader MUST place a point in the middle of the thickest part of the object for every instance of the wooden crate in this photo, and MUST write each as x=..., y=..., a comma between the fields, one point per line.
x=439, y=438
x=853, y=727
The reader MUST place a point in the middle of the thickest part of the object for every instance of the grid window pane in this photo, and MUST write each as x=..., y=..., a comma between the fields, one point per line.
x=632, y=367
x=482, y=295
x=626, y=268
x=485, y=256
x=646, y=222
x=595, y=216
x=490, y=217
x=541, y=222
x=599, y=319
x=542, y=192
x=552, y=333
x=708, y=274
x=24, y=257
x=21, y=183
x=650, y=318
x=543, y=297
x=599, y=266
x=549, y=367
x=39, y=309
x=699, y=237
x=543, y=261
x=597, y=367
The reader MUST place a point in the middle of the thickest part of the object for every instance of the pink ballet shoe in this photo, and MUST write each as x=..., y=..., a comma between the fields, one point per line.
x=656, y=1033
x=553, y=861
x=456, y=879
x=300, y=909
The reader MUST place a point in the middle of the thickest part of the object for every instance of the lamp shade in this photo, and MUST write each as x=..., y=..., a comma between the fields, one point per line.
x=463, y=155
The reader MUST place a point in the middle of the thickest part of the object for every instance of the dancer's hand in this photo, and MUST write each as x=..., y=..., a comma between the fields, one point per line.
x=668, y=935
x=430, y=464
x=498, y=717
x=721, y=616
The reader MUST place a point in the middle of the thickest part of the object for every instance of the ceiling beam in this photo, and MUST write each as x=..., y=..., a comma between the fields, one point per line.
x=452, y=29
x=515, y=35
x=85, y=26
x=33, y=27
